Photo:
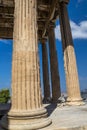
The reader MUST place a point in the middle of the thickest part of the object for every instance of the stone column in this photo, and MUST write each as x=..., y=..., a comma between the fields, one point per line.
x=45, y=71
x=72, y=82
x=55, y=79
x=27, y=112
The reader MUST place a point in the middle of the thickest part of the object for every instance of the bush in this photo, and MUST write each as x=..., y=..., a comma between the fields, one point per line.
x=4, y=95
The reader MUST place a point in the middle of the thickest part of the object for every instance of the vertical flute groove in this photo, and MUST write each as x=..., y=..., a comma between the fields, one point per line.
x=26, y=72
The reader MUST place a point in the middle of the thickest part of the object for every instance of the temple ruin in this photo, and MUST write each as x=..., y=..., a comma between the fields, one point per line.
x=27, y=22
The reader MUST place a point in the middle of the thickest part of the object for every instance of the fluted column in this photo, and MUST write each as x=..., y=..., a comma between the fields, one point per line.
x=55, y=79
x=72, y=81
x=27, y=112
x=45, y=71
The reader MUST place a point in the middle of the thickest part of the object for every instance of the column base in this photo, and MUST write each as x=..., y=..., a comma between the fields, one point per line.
x=76, y=102
x=30, y=120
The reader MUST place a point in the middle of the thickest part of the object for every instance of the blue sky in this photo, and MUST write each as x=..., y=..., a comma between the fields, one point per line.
x=77, y=10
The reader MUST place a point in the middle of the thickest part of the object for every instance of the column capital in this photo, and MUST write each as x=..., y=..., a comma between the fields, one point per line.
x=43, y=40
x=51, y=25
x=65, y=1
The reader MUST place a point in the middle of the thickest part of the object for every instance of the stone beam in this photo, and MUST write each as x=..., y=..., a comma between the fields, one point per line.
x=6, y=33
x=6, y=10
x=6, y=20
x=45, y=9
x=66, y=1
x=51, y=14
x=8, y=3
x=6, y=25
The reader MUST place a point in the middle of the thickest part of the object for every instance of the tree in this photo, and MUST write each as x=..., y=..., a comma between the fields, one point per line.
x=4, y=95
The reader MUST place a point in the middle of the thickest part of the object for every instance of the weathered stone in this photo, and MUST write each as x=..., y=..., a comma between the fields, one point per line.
x=73, y=90
x=45, y=12
x=27, y=112
x=45, y=72
x=55, y=79
x=68, y=117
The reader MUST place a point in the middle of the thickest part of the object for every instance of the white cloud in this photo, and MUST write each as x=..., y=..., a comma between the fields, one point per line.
x=57, y=32
x=79, y=31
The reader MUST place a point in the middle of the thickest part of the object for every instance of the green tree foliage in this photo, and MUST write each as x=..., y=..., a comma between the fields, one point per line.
x=4, y=95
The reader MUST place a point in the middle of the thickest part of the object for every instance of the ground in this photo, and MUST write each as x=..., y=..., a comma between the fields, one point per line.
x=67, y=117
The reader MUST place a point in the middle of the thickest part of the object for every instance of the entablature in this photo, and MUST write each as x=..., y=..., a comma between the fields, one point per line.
x=47, y=11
